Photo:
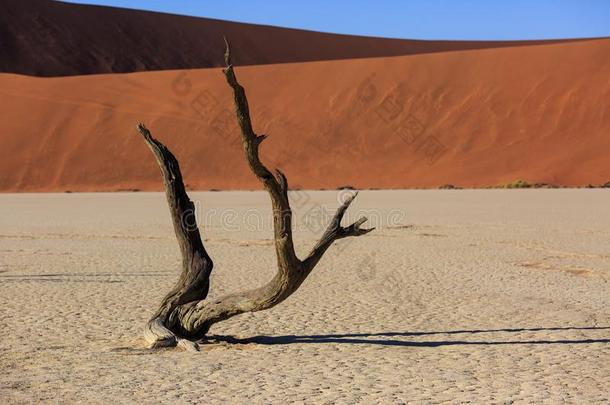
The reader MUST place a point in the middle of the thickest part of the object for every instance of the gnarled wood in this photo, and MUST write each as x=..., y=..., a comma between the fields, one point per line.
x=193, y=283
x=185, y=313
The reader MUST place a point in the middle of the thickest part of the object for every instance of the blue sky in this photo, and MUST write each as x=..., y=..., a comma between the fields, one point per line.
x=419, y=19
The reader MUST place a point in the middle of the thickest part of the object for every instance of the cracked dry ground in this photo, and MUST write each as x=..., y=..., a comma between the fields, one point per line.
x=489, y=296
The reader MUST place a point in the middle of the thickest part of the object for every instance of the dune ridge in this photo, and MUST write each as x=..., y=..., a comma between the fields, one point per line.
x=52, y=38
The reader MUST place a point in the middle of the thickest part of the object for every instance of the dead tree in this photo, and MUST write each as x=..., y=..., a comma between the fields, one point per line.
x=185, y=315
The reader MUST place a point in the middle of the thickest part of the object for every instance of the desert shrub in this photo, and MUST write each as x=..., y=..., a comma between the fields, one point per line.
x=517, y=184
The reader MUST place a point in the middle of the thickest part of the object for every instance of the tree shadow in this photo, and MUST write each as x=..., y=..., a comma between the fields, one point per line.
x=77, y=277
x=370, y=338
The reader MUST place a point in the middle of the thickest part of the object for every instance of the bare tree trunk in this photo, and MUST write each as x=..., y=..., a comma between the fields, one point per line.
x=184, y=314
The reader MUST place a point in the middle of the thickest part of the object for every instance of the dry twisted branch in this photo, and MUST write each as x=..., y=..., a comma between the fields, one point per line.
x=184, y=313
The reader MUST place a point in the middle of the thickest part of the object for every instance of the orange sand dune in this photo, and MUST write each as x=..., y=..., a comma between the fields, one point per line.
x=469, y=118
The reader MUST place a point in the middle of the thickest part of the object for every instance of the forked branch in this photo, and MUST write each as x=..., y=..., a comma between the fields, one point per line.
x=185, y=313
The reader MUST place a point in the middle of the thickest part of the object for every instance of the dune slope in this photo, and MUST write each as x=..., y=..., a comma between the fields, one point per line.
x=468, y=118
x=51, y=38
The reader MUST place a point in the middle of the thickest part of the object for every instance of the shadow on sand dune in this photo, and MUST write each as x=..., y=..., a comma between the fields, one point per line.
x=370, y=338
x=111, y=41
